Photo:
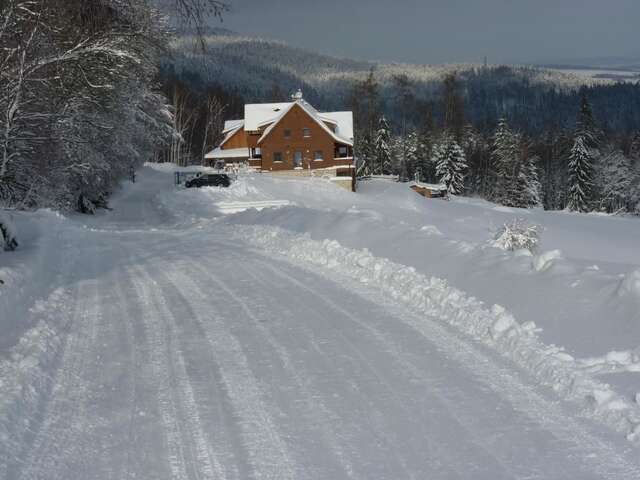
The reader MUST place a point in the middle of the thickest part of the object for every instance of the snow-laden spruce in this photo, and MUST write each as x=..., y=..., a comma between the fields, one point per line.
x=515, y=171
x=614, y=182
x=580, y=176
x=451, y=163
x=435, y=298
x=383, y=157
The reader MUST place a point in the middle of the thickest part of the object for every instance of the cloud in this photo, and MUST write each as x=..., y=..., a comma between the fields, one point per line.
x=436, y=31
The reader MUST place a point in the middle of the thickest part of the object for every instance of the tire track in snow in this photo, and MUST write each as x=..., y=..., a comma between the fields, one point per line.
x=198, y=355
x=313, y=404
x=169, y=370
x=135, y=369
x=269, y=455
x=241, y=263
x=387, y=345
x=433, y=445
x=288, y=363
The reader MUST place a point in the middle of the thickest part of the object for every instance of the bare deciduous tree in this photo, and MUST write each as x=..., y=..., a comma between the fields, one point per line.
x=77, y=100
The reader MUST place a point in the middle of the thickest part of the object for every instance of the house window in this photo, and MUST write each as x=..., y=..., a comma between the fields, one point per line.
x=306, y=133
x=342, y=152
x=318, y=156
x=277, y=157
x=256, y=153
x=287, y=133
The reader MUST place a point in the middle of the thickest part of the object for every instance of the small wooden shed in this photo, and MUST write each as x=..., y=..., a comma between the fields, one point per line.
x=430, y=190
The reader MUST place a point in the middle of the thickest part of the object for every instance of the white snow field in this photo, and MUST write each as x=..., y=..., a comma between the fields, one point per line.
x=177, y=337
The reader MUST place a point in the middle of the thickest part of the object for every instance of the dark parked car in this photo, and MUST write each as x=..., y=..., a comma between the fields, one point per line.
x=209, y=180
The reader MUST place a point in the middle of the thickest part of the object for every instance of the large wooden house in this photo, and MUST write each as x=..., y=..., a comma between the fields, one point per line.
x=280, y=137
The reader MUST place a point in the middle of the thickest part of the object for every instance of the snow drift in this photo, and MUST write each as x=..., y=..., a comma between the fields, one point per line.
x=630, y=284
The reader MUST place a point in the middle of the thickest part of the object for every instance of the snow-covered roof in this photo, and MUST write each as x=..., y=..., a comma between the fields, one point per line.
x=232, y=125
x=430, y=186
x=230, y=153
x=342, y=120
x=257, y=114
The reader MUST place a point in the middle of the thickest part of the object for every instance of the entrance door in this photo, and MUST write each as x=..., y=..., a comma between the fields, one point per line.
x=297, y=159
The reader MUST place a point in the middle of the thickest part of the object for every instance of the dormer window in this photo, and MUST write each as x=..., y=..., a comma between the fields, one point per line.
x=306, y=132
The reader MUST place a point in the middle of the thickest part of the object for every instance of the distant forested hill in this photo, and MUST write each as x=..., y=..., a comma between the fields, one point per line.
x=532, y=99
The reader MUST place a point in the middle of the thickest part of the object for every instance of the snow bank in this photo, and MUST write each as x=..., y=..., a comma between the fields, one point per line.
x=614, y=362
x=34, y=311
x=630, y=284
x=24, y=372
x=544, y=261
x=495, y=327
x=431, y=230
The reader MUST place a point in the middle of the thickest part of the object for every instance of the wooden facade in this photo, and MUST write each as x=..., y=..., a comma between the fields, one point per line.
x=298, y=141
x=237, y=140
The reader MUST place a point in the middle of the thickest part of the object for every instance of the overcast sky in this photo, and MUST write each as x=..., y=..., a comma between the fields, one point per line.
x=440, y=31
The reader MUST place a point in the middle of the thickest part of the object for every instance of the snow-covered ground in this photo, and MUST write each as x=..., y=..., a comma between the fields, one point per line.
x=370, y=335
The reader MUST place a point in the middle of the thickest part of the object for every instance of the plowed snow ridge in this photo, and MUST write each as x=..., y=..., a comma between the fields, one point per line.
x=493, y=326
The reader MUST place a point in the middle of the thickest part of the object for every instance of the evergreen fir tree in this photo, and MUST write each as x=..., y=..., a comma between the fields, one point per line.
x=580, y=176
x=553, y=171
x=505, y=163
x=411, y=152
x=516, y=172
x=366, y=155
x=634, y=148
x=530, y=193
x=586, y=124
x=423, y=165
x=453, y=106
x=424, y=145
x=383, y=148
x=475, y=151
x=397, y=151
x=614, y=182
x=584, y=154
x=451, y=164
x=634, y=157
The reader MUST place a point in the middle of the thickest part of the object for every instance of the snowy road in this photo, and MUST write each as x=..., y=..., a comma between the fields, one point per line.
x=189, y=355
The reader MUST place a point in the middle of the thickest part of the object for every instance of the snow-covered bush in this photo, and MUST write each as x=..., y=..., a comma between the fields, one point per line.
x=517, y=235
x=8, y=234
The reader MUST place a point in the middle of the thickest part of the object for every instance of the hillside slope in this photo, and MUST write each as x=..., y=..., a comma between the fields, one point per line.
x=235, y=59
x=259, y=69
